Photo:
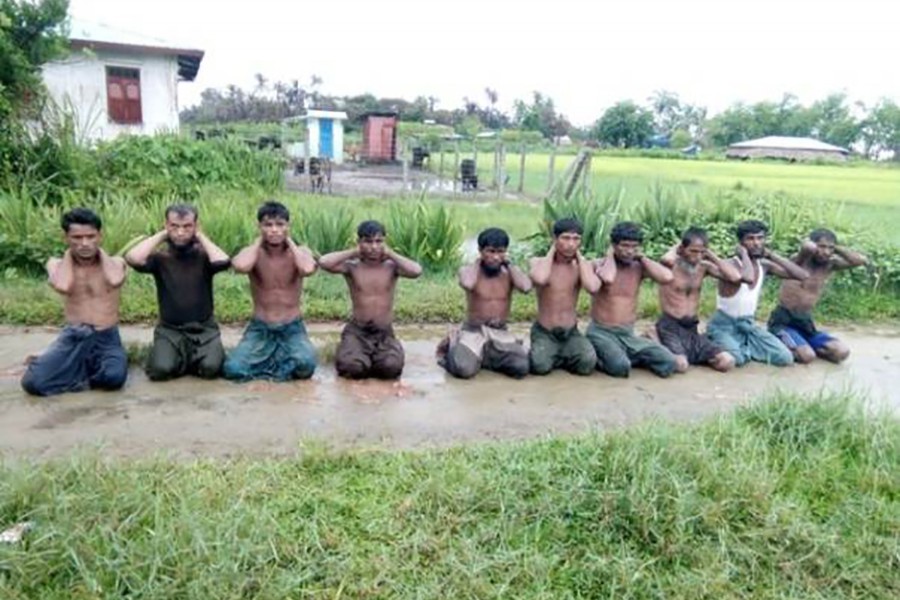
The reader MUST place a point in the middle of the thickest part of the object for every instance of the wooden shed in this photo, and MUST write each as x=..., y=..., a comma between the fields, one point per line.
x=379, y=137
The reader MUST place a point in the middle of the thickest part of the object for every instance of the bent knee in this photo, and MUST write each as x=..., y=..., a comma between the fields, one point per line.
x=388, y=369
x=111, y=380
x=615, y=368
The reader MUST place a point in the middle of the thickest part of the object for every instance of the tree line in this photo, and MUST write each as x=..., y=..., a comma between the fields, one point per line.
x=664, y=119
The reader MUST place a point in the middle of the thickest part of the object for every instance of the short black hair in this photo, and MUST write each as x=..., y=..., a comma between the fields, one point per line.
x=182, y=210
x=626, y=231
x=751, y=226
x=567, y=225
x=273, y=210
x=493, y=237
x=826, y=234
x=369, y=229
x=81, y=216
x=694, y=234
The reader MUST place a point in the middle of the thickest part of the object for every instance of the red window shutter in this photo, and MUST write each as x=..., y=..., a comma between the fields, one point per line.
x=123, y=93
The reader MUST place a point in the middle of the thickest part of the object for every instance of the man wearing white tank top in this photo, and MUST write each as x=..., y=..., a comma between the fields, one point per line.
x=733, y=326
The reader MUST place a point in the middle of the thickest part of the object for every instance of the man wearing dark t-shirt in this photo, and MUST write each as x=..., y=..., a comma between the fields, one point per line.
x=186, y=340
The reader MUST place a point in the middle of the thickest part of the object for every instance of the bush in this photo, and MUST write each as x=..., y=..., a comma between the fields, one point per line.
x=426, y=233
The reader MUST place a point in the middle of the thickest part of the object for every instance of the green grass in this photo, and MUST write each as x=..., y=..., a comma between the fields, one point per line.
x=870, y=192
x=787, y=498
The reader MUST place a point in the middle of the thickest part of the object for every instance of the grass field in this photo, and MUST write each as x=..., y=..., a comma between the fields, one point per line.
x=788, y=498
x=869, y=192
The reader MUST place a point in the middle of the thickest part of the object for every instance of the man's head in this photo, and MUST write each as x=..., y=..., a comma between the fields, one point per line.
x=370, y=241
x=693, y=245
x=825, y=241
x=492, y=246
x=626, y=238
x=274, y=223
x=567, y=237
x=82, y=229
x=752, y=236
x=181, y=225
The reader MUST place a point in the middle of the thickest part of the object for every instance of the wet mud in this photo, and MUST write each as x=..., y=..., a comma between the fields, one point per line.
x=191, y=417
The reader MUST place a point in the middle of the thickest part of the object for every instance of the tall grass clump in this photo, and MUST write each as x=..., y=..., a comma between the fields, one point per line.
x=427, y=233
x=792, y=497
x=326, y=230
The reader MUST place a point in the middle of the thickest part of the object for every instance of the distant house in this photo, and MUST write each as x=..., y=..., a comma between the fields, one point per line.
x=788, y=148
x=119, y=82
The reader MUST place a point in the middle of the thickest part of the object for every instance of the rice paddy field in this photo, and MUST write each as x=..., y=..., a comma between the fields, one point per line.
x=869, y=193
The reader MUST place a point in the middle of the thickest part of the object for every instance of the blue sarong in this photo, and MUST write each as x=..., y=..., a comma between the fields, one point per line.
x=81, y=358
x=279, y=352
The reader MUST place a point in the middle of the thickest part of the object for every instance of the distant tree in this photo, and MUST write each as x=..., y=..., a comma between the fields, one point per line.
x=880, y=130
x=624, y=125
x=833, y=121
x=31, y=34
x=540, y=115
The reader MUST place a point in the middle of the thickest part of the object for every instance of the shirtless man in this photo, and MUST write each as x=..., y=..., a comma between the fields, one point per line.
x=558, y=277
x=88, y=352
x=275, y=345
x=792, y=320
x=368, y=347
x=186, y=341
x=691, y=261
x=614, y=307
x=733, y=326
x=483, y=341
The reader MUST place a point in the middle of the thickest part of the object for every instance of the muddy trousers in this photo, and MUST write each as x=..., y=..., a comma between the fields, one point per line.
x=277, y=352
x=618, y=350
x=746, y=341
x=560, y=348
x=367, y=350
x=80, y=358
x=474, y=348
x=189, y=349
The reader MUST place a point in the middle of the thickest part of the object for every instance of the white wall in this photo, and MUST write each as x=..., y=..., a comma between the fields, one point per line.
x=78, y=83
x=312, y=135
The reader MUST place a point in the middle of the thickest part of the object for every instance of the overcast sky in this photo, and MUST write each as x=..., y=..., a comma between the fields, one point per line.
x=585, y=55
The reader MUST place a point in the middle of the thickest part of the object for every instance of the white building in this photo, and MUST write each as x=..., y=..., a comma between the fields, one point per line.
x=325, y=134
x=116, y=82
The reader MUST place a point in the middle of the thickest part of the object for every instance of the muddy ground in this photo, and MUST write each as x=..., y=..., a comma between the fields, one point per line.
x=386, y=181
x=190, y=417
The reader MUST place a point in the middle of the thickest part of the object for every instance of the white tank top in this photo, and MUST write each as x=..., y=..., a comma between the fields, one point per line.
x=746, y=299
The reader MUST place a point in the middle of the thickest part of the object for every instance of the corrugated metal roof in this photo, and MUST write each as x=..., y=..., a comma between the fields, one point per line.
x=100, y=35
x=789, y=143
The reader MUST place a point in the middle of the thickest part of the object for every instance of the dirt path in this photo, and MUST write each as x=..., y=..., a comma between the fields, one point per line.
x=190, y=417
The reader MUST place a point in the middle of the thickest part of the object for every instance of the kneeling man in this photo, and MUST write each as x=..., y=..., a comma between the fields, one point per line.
x=792, y=320
x=368, y=347
x=275, y=345
x=88, y=353
x=483, y=341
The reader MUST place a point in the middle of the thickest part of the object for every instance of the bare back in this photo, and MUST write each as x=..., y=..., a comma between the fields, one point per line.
x=558, y=299
x=372, y=290
x=615, y=305
x=276, y=287
x=681, y=297
x=489, y=301
x=802, y=296
x=91, y=299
